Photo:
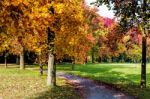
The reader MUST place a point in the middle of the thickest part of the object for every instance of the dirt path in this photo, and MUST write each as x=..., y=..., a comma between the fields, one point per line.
x=93, y=90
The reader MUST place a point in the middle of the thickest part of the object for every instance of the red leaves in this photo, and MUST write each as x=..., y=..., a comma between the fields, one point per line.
x=108, y=22
x=135, y=35
x=90, y=38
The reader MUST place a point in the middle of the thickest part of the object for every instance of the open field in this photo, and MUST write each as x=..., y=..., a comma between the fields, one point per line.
x=125, y=77
x=28, y=84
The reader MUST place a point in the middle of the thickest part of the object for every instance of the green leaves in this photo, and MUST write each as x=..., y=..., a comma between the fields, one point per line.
x=130, y=12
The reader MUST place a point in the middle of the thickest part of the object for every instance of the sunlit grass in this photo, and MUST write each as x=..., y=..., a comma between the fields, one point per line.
x=126, y=77
x=28, y=84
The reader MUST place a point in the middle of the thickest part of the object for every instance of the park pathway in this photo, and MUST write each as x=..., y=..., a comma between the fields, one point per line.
x=93, y=90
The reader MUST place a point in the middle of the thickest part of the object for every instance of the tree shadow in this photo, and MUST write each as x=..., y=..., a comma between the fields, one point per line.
x=9, y=65
x=133, y=86
x=128, y=83
x=64, y=67
x=59, y=92
x=89, y=68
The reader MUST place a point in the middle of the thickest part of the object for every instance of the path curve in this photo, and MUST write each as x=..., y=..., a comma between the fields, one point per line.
x=93, y=90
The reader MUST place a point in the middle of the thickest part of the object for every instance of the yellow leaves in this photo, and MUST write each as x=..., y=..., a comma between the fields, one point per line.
x=121, y=47
x=71, y=27
x=126, y=38
x=73, y=41
x=16, y=2
x=26, y=2
x=33, y=23
x=62, y=28
x=59, y=8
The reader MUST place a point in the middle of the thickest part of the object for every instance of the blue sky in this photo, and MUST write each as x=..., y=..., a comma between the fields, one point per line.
x=103, y=10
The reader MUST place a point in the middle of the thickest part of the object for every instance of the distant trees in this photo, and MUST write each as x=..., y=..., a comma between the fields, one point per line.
x=133, y=13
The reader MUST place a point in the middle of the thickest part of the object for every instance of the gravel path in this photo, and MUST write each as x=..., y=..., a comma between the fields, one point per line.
x=93, y=90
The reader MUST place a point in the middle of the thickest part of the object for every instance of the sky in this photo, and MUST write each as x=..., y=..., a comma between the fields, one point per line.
x=103, y=10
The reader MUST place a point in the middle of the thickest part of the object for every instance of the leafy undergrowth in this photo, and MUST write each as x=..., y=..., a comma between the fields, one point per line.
x=28, y=84
x=124, y=77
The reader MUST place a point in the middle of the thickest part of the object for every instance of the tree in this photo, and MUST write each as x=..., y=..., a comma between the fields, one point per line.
x=94, y=24
x=132, y=13
x=133, y=42
x=22, y=19
x=64, y=34
x=4, y=45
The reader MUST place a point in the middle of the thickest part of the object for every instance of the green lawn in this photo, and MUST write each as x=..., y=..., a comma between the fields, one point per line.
x=28, y=84
x=126, y=77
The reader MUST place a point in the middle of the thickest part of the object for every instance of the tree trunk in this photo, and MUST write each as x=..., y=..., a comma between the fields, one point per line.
x=73, y=64
x=54, y=75
x=93, y=61
x=86, y=59
x=51, y=76
x=41, y=69
x=143, y=65
x=17, y=60
x=112, y=59
x=40, y=64
x=22, y=65
x=5, y=61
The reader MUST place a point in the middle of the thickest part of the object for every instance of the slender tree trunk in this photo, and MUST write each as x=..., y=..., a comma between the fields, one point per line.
x=143, y=65
x=86, y=59
x=51, y=76
x=22, y=65
x=112, y=59
x=93, y=56
x=5, y=61
x=41, y=69
x=54, y=74
x=40, y=64
x=17, y=60
x=73, y=64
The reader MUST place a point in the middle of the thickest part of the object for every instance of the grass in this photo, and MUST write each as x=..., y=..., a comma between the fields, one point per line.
x=125, y=77
x=28, y=84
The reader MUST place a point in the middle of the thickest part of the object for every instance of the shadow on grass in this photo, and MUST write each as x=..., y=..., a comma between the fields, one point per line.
x=129, y=84
x=133, y=88
x=83, y=68
x=119, y=77
x=10, y=65
x=59, y=92
x=64, y=67
x=90, y=68
x=32, y=66
x=17, y=66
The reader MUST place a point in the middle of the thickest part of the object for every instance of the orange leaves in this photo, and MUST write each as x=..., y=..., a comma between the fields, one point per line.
x=16, y=2
x=26, y=19
x=29, y=21
x=90, y=38
x=59, y=8
x=68, y=28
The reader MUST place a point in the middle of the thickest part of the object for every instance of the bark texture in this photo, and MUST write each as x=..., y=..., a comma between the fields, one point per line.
x=143, y=65
x=51, y=76
x=22, y=64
